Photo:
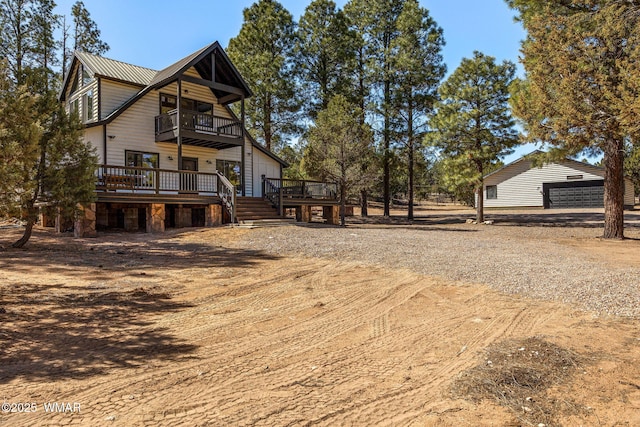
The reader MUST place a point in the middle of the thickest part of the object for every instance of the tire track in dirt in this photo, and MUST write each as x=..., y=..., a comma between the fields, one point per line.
x=304, y=342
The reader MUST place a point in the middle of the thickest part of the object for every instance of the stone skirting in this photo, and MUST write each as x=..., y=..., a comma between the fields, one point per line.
x=85, y=223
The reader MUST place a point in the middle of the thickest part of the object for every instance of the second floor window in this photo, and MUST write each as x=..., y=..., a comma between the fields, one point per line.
x=169, y=103
x=87, y=105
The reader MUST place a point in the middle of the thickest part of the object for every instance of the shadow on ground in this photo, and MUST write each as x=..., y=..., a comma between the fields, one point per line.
x=93, y=304
x=137, y=254
x=53, y=332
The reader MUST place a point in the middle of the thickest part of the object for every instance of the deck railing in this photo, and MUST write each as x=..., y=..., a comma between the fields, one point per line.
x=155, y=181
x=277, y=190
x=198, y=122
x=227, y=192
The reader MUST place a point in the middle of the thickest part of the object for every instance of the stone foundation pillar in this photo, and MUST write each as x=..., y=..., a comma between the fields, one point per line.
x=130, y=219
x=331, y=214
x=213, y=215
x=85, y=223
x=155, y=218
x=303, y=213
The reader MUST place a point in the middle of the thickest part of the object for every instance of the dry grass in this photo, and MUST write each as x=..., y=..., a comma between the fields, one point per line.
x=518, y=374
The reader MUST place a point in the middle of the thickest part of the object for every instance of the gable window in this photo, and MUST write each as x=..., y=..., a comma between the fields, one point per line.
x=86, y=77
x=87, y=105
x=73, y=106
x=74, y=84
x=492, y=192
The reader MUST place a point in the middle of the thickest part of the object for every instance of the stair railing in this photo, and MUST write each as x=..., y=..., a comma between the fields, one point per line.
x=272, y=192
x=227, y=193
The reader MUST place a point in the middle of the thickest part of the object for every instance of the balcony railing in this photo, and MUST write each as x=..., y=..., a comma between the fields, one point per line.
x=141, y=180
x=198, y=122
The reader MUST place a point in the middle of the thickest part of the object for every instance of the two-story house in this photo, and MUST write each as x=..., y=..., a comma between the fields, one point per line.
x=172, y=152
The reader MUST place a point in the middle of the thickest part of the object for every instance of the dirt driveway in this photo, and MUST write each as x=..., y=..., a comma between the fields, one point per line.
x=224, y=327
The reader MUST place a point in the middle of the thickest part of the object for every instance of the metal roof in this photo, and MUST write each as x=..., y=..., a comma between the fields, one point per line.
x=117, y=70
x=175, y=68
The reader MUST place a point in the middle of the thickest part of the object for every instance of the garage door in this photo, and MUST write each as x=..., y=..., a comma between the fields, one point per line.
x=583, y=194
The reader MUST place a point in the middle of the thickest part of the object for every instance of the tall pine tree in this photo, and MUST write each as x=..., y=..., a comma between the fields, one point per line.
x=263, y=53
x=419, y=67
x=43, y=157
x=324, y=55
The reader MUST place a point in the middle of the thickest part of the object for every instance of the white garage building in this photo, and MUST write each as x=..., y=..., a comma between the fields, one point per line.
x=565, y=184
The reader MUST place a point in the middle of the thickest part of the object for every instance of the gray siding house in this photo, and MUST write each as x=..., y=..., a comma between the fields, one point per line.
x=565, y=184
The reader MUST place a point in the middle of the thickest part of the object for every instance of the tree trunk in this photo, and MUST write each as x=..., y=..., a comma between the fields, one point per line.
x=411, y=155
x=364, y=208
x=480, y=204
x=267, y=124
x=386, y=191
x=614, y=190
x=343, y=204
x=27, y=234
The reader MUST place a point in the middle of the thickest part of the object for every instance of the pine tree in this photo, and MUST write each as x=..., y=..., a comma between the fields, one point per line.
x=419, y=67
x=338, y=143
x=581, y=92
x=360, y=22
x=263, y=53
x=42, y=156
x=86, y=36
x=324, y=55
x=473, y=126
x=379, y=20
x=15, y=47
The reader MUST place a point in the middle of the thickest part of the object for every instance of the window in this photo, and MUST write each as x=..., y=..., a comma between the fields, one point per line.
x=86, y=77
x=73, y=106
x=143, y=179
x=87, y=105
x=74, y=85
x=230, y=169
x=140, y=159
x=167, y=103
x=492, y=191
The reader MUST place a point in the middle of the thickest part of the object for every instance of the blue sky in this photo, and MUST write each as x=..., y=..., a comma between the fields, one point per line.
x=156, y=33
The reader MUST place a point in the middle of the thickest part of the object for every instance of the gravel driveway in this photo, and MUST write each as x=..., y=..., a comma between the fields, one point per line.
x=513, y=259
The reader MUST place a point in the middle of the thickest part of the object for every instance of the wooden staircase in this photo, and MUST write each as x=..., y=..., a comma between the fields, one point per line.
x=251, y=209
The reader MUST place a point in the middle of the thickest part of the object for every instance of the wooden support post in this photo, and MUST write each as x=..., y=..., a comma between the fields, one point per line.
x=213, y=215
x=303, y=213
x=179, y=121
x=331, y=214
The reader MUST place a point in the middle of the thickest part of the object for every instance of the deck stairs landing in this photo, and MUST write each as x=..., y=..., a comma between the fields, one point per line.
x=253, y=212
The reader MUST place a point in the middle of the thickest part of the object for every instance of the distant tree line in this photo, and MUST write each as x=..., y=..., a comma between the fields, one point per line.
x=382, y=60
x=579, y=95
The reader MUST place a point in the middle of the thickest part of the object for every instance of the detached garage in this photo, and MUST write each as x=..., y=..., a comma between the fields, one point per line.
x=565, y=184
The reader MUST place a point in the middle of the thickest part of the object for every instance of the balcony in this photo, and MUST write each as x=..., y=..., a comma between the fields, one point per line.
x=202, y=130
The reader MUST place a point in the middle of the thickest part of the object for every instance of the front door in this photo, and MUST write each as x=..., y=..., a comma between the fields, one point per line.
x=189, y=180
